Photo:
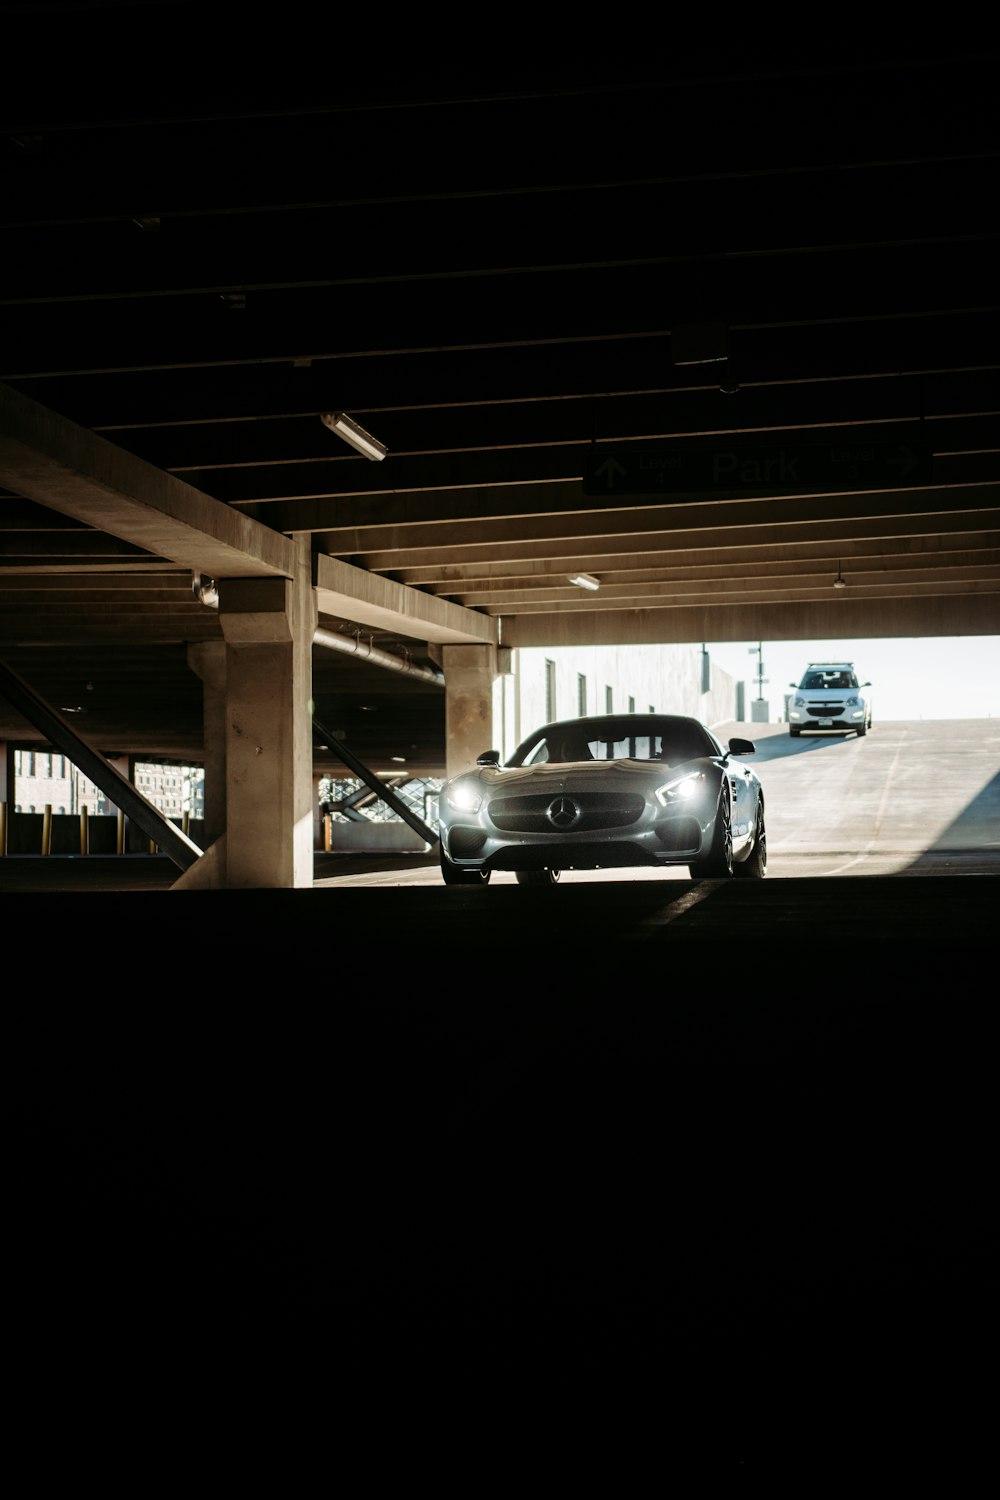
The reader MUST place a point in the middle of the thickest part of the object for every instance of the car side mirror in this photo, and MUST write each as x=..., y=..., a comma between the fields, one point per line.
x=742, y=747
x=488, y=758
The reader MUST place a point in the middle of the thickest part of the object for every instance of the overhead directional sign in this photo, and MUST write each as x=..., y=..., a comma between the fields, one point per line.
x=735, y=467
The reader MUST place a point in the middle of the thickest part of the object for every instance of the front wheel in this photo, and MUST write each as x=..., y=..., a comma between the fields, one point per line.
x=719, y=864
x=862, y=730
x=537, y=877
x=452, y=875
x=795, y=733
x=754, y=867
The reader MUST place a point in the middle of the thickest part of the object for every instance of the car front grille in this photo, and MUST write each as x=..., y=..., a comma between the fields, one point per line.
x=598, y=811
x=466, y=843
x=681, y=835
x=825, y=710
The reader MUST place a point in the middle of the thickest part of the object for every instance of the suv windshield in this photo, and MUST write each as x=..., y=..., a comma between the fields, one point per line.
x=838, y=679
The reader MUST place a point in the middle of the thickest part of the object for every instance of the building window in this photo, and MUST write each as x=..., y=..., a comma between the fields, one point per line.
x=609, y=700
x=631, y=704
x=581, y=693
x=550, y=690
x=652, y=709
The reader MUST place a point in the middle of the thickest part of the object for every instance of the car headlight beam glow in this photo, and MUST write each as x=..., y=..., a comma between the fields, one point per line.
x=681, y=788
x=464, y=797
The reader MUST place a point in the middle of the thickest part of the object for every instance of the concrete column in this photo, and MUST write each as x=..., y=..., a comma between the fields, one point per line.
x=469, y=672
x=6, y=772
x=269, y=625
x=208, y=660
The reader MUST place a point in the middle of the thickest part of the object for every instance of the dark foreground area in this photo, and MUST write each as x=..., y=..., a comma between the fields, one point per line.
x=476, y=1153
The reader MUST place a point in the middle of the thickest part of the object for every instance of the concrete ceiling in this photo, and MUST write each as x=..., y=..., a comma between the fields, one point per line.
x=712, y=325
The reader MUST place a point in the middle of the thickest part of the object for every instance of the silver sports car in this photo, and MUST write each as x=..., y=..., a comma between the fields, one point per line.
x=602, y=793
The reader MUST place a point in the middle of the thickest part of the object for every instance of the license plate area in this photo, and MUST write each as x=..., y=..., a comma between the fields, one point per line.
x=825, y=723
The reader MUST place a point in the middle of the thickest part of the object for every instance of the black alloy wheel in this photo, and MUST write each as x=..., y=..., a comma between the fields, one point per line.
x=538, y=877
x=452, y=875
x=754, y=867
x=719, y=863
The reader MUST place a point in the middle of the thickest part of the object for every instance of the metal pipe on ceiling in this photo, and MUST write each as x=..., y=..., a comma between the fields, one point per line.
x=354, y=646
x=205, y=590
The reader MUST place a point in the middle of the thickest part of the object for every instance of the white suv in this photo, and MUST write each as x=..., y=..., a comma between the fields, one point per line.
x=830, y=697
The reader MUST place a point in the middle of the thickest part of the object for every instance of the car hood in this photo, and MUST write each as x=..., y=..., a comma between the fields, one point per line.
x=583, y=773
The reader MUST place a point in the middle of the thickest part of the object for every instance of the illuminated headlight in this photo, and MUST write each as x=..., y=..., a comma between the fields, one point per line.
x=464, y=797
x=681, y=789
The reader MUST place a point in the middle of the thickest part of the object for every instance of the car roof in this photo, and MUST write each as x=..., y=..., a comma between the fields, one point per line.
x=625, y=716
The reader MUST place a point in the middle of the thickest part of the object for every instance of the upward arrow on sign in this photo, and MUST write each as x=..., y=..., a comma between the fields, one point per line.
x=745, y=465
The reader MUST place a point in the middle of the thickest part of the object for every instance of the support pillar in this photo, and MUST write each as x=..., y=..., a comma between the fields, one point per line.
x=268, y=625
x=469, y=673
x=208, y=660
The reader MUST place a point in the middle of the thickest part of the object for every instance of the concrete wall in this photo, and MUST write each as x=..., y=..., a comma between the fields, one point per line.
x=388, y=837
x=666, y=679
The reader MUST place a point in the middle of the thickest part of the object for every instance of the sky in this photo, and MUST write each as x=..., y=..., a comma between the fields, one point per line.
x=940, y=677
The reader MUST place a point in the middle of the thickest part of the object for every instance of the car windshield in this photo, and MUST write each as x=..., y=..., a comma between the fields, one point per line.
x=838, y=679
x=669, y=741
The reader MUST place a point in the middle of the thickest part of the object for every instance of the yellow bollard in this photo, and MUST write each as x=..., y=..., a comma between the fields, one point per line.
x=47, y=829
x=121, y=832
x=3, y=828
x=84, y=831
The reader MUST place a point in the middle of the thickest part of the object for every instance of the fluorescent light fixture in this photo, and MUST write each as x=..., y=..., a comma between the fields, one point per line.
x=345, y=427
x=699, y=343
x=584, y=580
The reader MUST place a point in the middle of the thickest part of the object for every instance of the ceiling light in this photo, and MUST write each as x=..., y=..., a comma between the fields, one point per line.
x=839, y=582
x=584, y=580
x=345, y=427
x=699, y=343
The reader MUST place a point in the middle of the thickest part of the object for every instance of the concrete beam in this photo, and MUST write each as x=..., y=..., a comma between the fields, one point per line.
x=840, y=619
x=369, y=599
x=46, y=458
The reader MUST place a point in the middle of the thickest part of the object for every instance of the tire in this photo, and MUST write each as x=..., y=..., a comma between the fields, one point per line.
x=861, y=731
x=719, y=863
x=537, y=877
x=795, y=733
x=452, y=875
x=754, y=867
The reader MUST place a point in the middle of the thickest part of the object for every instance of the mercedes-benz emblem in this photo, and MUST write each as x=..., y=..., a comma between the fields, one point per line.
x=563, y=812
